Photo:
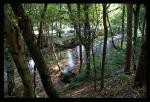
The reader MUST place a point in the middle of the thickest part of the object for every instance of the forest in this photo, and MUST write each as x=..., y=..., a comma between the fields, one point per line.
x=75, y=50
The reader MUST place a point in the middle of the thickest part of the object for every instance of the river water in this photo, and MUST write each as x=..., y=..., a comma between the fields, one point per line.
x=72, y=56
x=70, y=61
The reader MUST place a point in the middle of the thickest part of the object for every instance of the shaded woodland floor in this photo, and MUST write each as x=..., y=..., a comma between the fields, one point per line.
x=110, y=57
x=116, y=83
x=115, y=87
x=120, y=86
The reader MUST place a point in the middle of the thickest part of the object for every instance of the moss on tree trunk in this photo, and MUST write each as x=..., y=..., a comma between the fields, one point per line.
x=17, y=51
x=26, y=27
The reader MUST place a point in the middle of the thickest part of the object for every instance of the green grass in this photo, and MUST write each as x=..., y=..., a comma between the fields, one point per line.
x=123, y=77
x=80, y=77
x=113, y=66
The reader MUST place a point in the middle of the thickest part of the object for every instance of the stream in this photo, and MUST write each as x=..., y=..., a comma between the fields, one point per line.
x=70, y=61
x=72, y=56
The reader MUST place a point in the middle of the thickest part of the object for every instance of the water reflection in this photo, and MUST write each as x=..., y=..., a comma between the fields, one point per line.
x=5, y=75
x=73, y=58
x=70, y=57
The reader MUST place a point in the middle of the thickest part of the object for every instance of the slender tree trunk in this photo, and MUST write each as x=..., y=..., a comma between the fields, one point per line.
x=135, y=33
x=60, y=24
x=87, y=32
x=93, y=55
x=111, y=32
x=105, y=45
x=118, y=29
x=75, y=31
x=76, y=23
x=34, y=78
x=41, y=24
x=140, y=77
x=144, y=59
x=11, y=82
x=79, y=34
x=143, y=28
x=88, y=65
x=52, y=27
x=95, y=77
x=60, y=8
x=129, y=39
x=56, y=57
x=143, y=36
x=123, y=13
x=36, y=54
x=16, y=49
x=80, y=57
x=9, y=68
x=39, y=42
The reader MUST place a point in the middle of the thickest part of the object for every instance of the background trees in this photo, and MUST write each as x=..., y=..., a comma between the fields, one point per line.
x=143, y=62
x=105, y=44
x=41, y=25
x=129, y=38
x=25, y=26
x=16, y=48
x=123, y=15
x=87, y=36
x=70, y=31
x=9, y=67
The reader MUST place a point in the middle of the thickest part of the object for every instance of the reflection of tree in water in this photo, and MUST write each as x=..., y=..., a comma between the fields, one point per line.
x=73, y=59
x=70, y=58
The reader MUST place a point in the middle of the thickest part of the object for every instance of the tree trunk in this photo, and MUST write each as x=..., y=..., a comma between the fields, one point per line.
x=144, y=59
x=143, y=29
x=60, y=24
x=52, y=27
x=16, y=49
x=118, y=29
x=87, y=41
x=76, y=24
x=140, y=77
x=111, y=32
x=39, y=42
x=129, y=39
x=11, y=83
x=79, y=35
x=10, y=69
x=36, y=54
x=88, y=65
x=135, y=33
x=55, y=55
x=34, y=78
x=41, y=24
x=95, y=77
x=87, y=32
x=10, y=73
x=105, y=45
x=123, y=13
x=80, y=57
x=75, y=31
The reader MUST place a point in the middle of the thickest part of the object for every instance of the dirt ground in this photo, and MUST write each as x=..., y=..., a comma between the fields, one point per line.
x=114, y=87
